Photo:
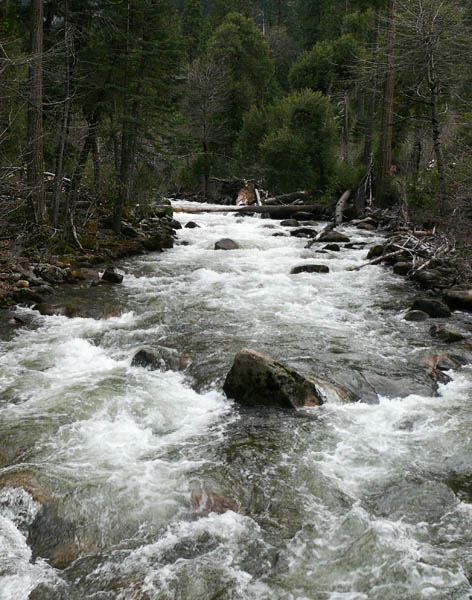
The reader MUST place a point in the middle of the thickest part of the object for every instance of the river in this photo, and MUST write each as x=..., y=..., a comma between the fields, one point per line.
x=339, y=502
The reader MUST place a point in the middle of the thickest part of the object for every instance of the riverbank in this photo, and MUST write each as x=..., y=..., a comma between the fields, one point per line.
x=33, y=263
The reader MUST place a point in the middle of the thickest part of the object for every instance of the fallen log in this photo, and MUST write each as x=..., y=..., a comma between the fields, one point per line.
x=286, y=198
x=218, y=208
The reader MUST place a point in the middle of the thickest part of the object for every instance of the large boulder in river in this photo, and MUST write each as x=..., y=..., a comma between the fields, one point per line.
x=226, y=244
x=256, y=380
x=334, y=236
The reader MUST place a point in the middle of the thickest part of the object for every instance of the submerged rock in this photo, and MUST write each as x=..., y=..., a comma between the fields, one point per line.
x=310, y=269
x=50, y=310
x=255, y=379
x=53, y=538
x=438, y=363
x=29, y=481
x=205, y=503
x=164, y=358
x=226, y=244
x=449, y=336
x=416, y=315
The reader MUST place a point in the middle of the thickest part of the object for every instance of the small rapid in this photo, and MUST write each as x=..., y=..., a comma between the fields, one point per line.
x=340, y=502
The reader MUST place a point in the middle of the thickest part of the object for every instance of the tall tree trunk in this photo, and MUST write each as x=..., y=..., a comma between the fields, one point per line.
x=436, y=130
x=65, y=123
x=385, y=151
x=124, y=174
x=3, y=108
x=345, y=145
x=35, y=170
x=369, y=133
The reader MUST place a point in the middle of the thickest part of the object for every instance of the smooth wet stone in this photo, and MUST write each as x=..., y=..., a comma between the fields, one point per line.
x=375, y=251
x=333, y=247
x=161, y=359
x=192, y=225
x=335, y=236
x=305, y=232
x=290, y=223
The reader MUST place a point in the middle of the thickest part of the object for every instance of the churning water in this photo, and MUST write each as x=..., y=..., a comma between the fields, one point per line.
x=340, y=502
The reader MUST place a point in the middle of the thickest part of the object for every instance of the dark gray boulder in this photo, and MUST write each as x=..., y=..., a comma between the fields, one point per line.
x=402, y=268
x=303, y=232
x=333, y=247
x=161, y=359
x=290, y=223
x=112, y=276
x=334, y=236
x=310, y=269
x=256, y=380
x=192, y=225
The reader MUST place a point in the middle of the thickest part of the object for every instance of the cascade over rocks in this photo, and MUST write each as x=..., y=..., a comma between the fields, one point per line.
x=205, y=503
x=445, y=334
x=255, y=380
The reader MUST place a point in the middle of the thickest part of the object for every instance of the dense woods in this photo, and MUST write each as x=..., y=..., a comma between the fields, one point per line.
x=104, y=106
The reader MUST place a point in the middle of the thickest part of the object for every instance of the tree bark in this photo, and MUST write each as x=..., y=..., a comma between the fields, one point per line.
x=35, y=167
x=385, y=151
x=369, y=133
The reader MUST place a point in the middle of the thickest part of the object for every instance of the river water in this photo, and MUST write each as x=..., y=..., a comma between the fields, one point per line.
x=340, y=502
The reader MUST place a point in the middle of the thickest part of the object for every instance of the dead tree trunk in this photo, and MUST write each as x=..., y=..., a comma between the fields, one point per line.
x=35, y=168
x=385, y=151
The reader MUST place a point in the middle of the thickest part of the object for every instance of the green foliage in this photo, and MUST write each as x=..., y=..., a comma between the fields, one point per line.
x=239, y=45
x=314, y=69
x=300, y=152
x=345, y=177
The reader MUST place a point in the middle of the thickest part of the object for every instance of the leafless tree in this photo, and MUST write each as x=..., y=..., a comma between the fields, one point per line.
x=206, y=101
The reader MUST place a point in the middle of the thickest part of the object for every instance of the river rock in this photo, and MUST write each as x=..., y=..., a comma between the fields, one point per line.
x=334, y=236
x=176, y=224
x=290, y=223
x=205, y=503
x=333, y=247
x=226, y=244
x=256, y=380
x=438, y=363
x=303, y=232
x=459, y=299
x=310, y=269
x=129, y=231
x=164, y=358
x=428, y=278
x=53, y=538
x=402, y=268
x=375, y=251
x=27, y=480
x=192, y=225
x=449, y=336
x=112, y=276
x=416, y=315
x=434, y=308
x=367, y=226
